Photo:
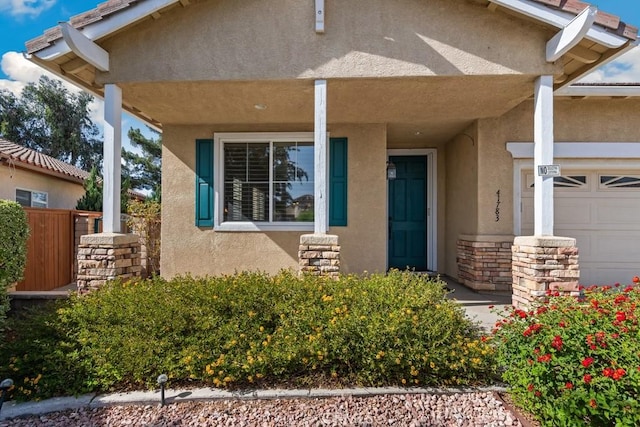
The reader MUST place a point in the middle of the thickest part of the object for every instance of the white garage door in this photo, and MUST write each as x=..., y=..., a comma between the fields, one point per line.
x=601, y=209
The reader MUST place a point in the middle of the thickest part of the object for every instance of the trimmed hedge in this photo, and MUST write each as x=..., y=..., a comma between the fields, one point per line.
x=252, y=329
x=14, y=231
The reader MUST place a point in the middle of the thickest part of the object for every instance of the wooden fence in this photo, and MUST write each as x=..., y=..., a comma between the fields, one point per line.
x=52, y=245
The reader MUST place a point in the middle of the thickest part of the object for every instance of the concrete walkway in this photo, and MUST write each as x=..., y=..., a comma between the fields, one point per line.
x=477, y=304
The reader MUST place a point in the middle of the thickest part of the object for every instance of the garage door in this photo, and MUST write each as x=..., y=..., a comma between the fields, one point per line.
x=601, y=209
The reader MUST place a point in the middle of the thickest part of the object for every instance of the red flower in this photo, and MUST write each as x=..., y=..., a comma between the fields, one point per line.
x=537, y=393
x=587, y=361
x=562, y=324
x=621, y=316
x=520, y=313
x=530, y=387
x=593, y=403
x=587, y=378
x=608, y=372
x=594, y=303
x=544, y=358
x=636, y=279
x=620, y=299
x=568, y=386
x=557, y=342
x=541, y=310
x=619, y=373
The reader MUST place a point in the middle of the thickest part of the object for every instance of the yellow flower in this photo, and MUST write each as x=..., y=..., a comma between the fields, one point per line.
x=404, y=381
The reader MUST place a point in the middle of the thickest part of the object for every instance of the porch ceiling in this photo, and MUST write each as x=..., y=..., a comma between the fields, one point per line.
x=436, y=107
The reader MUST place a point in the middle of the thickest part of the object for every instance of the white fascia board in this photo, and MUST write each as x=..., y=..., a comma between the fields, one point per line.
x=571, y=34
x=107, y=26
x=620, y=91
x=85, y=48
x=560, y=19
x=580, y=150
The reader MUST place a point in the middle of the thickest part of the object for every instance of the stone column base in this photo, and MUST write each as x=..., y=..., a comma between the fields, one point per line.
x=106, y=256
x=319, y=254
x=484, y=262
x=544, y=264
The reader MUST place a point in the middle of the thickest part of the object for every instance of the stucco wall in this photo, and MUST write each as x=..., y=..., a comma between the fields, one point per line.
x=243, y=40
x=189, y=249
x=461, y=193
x=61, y=194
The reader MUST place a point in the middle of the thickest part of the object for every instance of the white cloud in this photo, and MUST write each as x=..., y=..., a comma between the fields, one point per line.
x=22, y=71
x=30, y=8
x=625, y=69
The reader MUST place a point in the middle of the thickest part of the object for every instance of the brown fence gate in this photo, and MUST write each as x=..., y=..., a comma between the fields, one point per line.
x=50, y=256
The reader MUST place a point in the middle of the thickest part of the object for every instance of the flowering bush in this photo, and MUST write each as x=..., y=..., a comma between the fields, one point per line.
x=575, y=361
x=250, y=330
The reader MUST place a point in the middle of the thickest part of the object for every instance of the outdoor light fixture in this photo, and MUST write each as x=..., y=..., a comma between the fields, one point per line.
x=162, y=380
x=5, y=385
x=391, y=170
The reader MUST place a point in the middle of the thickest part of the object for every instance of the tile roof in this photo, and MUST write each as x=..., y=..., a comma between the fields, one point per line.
x=49, y=165
x=612, y=23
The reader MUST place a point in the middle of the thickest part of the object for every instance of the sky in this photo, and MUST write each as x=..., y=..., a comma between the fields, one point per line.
x=22, y=20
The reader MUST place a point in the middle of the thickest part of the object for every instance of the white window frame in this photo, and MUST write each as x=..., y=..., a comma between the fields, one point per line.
x=219, y=139
x=46, y=194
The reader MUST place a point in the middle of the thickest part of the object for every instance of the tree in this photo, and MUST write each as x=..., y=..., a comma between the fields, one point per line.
x=144, y=171
x=50, y=119
x=92, y=199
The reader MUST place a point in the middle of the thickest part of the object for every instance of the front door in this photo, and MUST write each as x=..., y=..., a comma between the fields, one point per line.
x=408, y=213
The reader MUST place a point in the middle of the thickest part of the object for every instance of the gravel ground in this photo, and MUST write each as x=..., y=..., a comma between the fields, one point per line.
x=466, y=409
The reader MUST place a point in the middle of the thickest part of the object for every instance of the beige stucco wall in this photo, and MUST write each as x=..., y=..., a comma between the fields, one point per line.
x=461, y=196
x=189, y=249
x=62, y=194
x=232, y=40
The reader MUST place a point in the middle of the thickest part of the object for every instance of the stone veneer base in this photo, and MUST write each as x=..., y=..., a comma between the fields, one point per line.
x=543, y=264
x=319, y=254
x=107, y=256
x=484, y=262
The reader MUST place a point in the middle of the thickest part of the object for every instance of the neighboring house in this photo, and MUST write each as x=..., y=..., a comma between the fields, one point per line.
x=36, y=180
x=452, y=94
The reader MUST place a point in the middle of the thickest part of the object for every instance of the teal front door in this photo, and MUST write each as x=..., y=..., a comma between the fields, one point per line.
x=408, y=214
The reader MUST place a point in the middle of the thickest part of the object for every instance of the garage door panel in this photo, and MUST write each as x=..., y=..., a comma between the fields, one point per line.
x=606, y=274
x=572, y=213
x=617, y=212
x=616, y=247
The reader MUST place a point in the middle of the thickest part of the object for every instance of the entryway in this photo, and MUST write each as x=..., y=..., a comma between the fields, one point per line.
x=411, y=213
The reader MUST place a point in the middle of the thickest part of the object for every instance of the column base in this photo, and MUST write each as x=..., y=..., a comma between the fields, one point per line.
x=319, y=254
x=541, y=265
x=484, y=262
x=107, y=256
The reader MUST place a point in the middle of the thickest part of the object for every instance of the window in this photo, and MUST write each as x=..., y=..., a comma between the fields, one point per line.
x=32, y=199
x=265, y=181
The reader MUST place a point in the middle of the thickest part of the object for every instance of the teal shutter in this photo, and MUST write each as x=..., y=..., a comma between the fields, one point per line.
x=338, y=154
x=204, y=182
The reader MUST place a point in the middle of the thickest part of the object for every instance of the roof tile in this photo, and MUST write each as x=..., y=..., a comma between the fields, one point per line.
x=12, y=151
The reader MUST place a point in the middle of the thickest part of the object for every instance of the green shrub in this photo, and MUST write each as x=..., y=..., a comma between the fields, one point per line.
x=40, y=358
x=14, y=231
x=251, y=329
x=575, y=361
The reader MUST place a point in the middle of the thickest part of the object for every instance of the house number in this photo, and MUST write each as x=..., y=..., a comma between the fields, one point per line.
x=498, y=206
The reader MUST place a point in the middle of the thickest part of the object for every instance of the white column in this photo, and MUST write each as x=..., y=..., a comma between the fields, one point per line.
x=543, y=155
x=112, y=156
x=320, y=158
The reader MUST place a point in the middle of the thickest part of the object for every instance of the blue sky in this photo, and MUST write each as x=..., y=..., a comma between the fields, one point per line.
x=22, y=20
